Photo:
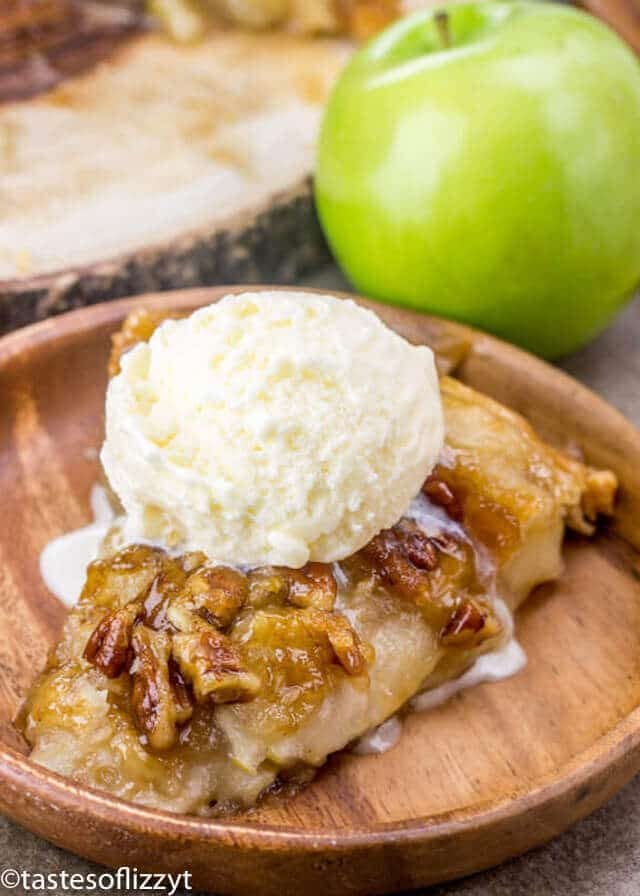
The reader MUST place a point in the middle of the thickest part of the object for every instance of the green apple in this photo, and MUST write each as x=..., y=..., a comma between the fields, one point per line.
x=483, y=163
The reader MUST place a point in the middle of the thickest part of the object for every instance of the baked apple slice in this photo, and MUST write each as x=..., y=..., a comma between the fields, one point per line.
x=194, y=687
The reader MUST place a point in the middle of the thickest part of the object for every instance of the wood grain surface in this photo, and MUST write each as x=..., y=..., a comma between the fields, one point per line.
x=490, y=774
x=43, y=42
x=280, y=239
x=622, y=15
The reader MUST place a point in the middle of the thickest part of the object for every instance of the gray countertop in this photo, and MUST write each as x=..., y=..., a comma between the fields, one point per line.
x=598, y=857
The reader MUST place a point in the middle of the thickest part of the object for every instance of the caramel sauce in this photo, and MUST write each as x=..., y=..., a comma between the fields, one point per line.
x=453, y=485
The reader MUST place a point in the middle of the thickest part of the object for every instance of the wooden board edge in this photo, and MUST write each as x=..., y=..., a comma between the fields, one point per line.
x=279, y=239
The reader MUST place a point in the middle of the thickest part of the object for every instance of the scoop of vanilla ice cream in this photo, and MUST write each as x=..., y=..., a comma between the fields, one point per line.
x=271, y=428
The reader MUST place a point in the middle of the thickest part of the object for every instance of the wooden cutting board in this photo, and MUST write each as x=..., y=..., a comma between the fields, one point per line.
x=156, y=164
x=131, y=164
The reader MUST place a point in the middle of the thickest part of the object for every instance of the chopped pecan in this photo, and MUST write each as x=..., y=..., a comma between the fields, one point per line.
x=167, y=636
x=349, y=650
x=158, y=706
x=439, y=575
x=420, y=550
x=165, y=589
x=170, y=636
x=469, y=624
x=402, y=557
x=438, y=491
x=215, y=593
x=311, y=586
x=109, y=647
x=213, y=665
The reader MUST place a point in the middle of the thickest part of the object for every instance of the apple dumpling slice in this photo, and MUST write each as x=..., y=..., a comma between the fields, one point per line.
x=195, y=687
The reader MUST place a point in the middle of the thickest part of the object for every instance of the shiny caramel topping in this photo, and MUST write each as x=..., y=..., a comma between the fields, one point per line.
x=109, y=647
x=347, y=647
x=439, y=574
x=311, y=586
x=170, y=624
x=454, y=487
x=300, y=654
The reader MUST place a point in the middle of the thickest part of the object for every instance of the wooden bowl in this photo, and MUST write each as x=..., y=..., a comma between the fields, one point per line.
x=494, y=772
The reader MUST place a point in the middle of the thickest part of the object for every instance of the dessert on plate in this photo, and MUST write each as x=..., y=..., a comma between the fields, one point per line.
x=311, y=532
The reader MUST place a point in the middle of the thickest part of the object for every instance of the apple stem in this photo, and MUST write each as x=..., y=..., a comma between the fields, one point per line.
x=441, y=19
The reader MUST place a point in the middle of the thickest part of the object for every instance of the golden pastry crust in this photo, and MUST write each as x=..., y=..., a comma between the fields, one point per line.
x=511, y=491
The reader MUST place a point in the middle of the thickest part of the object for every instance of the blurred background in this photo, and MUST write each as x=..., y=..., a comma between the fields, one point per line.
x=171, y=143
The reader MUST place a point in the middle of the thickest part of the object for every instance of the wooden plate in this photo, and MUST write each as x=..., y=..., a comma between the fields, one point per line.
x=494, y=772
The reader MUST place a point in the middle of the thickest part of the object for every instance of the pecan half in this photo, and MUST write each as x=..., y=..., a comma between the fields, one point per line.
x=109, y=647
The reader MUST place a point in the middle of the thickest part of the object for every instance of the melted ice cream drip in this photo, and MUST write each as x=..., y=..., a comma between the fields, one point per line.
x=64, y=560
x=501, y=663
x=381, y=739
